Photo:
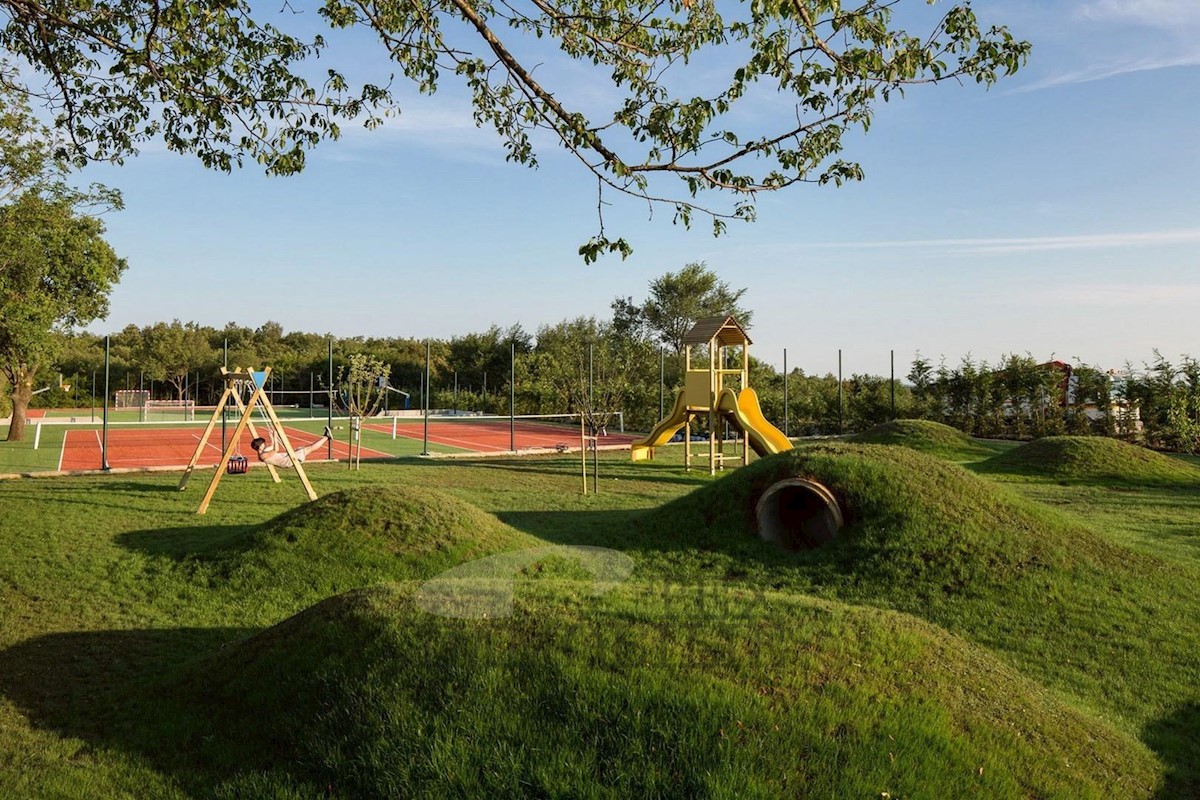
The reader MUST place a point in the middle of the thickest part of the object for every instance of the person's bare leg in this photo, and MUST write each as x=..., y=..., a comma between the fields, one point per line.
x=317, y=445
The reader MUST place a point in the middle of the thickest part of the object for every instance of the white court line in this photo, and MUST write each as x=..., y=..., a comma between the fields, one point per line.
x=63, y=453
x=450, y=441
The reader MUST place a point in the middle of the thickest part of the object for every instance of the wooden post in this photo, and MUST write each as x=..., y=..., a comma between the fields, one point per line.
x=232, y=378
x=228, y=454
x=254, y=433
x=287, y=445
x=714, y=389
x=212, y=423
x=246, y=423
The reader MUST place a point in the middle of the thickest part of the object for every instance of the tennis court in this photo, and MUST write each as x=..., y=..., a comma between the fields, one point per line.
x=145, y=446
x=66, y=445
x=497, y=434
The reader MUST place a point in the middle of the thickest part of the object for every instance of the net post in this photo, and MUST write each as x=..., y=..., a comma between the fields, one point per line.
x=583, y=453
x=512, y=396
x=425, y=398
x=104, y=442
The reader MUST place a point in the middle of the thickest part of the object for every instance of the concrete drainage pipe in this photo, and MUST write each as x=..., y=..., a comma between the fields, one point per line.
x=798, y=514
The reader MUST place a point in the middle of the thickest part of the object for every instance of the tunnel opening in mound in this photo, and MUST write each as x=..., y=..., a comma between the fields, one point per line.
x=798, y=514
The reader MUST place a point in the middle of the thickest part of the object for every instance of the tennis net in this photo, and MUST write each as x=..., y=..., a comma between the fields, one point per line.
x=557, y=425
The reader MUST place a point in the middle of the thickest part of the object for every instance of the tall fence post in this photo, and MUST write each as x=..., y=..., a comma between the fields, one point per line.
x=425, y=397
x=839, y=392
x=104, y=440
x=329, y=414
x=662, y=382
x=893, y=359
x=512, y=396
x=785, y=394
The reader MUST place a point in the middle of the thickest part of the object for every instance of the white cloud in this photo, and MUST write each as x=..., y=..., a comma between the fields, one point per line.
x=1109, y=38
x=1168, y=14
x=1122, y=295
x=1111, y=69
x=447, y=128
x=1098, y=241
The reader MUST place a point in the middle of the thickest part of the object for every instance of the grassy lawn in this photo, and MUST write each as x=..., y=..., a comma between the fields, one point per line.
x=991, y=635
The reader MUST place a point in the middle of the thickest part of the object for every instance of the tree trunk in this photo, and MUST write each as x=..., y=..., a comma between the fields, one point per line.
x=22, y=393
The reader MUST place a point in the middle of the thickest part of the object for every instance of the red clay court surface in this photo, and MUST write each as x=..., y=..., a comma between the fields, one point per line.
x=171, y=447
x=494, y=436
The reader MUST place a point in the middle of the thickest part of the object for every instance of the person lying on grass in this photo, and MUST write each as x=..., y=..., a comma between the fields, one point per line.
x=269, y=454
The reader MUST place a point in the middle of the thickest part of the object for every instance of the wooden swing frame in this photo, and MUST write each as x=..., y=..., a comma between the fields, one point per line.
x=234, y=380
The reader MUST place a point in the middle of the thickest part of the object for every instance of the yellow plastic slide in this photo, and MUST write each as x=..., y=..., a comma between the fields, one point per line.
x=743, y=411
x=663, y=431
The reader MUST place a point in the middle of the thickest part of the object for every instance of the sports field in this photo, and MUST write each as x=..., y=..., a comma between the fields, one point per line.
x=494, y=434
x=59, y=445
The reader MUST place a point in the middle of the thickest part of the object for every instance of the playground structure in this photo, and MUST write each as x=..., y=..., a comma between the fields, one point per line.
x=236, y=381
x=706, y=391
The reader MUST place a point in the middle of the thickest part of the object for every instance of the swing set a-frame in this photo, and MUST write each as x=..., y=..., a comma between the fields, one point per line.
x=236, y=381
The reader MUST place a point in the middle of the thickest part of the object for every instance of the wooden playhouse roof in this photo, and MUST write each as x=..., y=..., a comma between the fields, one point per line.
x=724, y=329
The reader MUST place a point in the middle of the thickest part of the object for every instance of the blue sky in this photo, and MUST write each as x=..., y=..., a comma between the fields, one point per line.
x=1057, y=213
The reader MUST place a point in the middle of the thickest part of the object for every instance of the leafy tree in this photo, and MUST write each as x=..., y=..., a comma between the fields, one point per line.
x=589, y=368
x=1091, y=391
x=171, y=352
x=360, y=382
x=224, y=82
x=481, y=359
x=56, y=271
x=921, y=376
x=677, y=300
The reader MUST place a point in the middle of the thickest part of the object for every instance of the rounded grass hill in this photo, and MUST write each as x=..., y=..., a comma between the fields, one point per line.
x=1092, y=459
x=966, y=553
x=927, y=436
x=632, y=695
x=915, y=524
x=359, y=536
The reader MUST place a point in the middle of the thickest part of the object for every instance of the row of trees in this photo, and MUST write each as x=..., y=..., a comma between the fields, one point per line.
x=584, y=364
x=632, y=362
x=1021, y=397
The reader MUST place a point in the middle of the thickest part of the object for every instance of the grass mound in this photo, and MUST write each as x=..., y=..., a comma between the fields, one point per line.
x=634, y=695
x=928, y=437
x=1092, y=459
x=359, y=536
x=916, y=525
x=929, y=538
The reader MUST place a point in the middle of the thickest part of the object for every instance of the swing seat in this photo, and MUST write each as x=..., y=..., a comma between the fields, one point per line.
x=237, y=465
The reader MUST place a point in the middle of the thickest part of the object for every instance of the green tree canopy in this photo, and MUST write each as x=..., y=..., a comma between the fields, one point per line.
x=588, y=368
x=173, y=351
x=56, y=271
x=688, y=79
x=676, y=301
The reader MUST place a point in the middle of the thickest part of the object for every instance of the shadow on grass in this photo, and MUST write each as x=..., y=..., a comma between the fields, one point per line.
x=96, y=686
x=688, y=545
x=602, y=528
x=558, y=467
x=1176, y=740
x=180, y=544
x=141, y=487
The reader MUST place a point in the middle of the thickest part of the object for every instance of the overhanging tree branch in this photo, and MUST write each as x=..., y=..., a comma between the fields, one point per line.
x=218, y=81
